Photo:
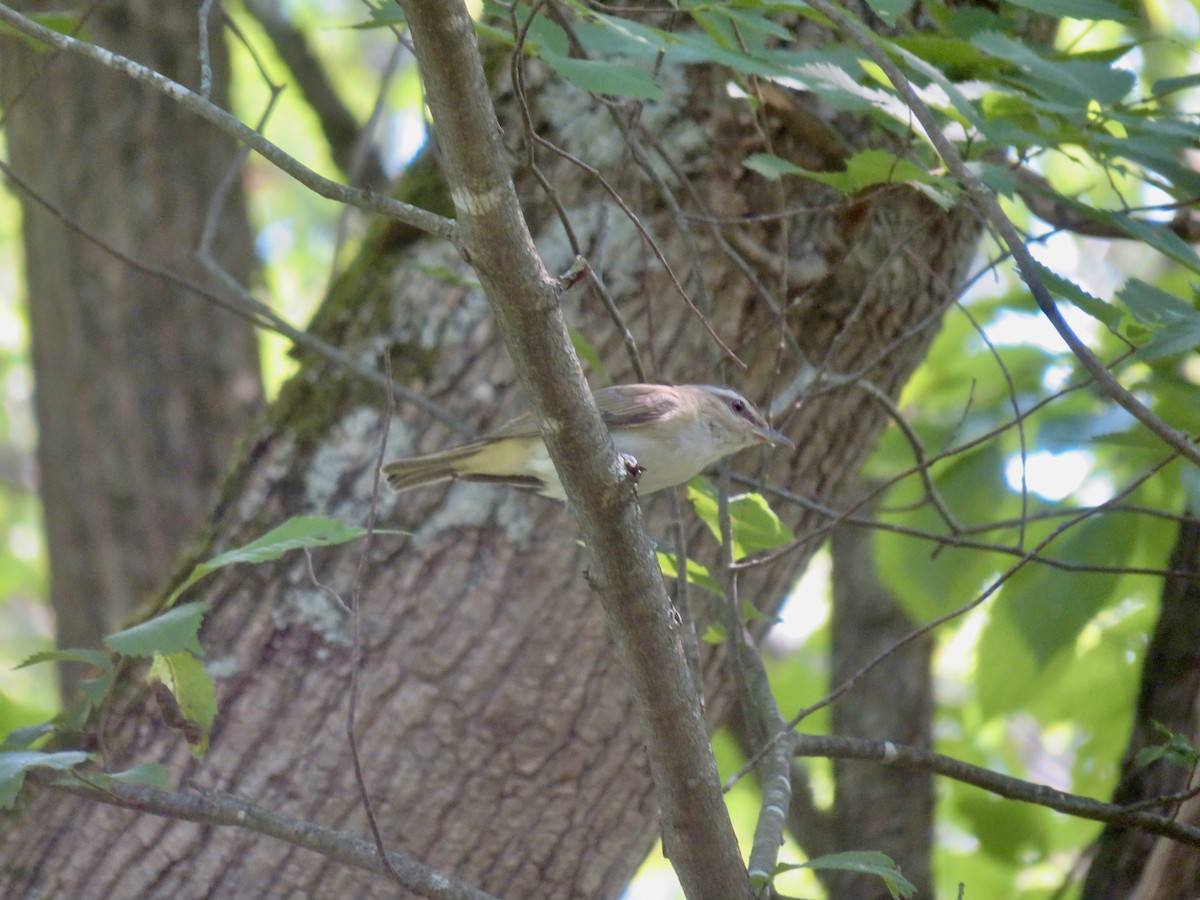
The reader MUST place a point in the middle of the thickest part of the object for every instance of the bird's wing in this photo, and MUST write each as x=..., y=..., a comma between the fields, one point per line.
x=632, y=405
x=627, y=406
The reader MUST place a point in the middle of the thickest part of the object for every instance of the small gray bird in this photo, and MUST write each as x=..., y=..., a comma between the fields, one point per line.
x=673, y=432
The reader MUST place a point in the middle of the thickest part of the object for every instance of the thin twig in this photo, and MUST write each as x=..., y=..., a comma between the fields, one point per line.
x=987, y=202
x=1002, y=785
x=418, y=218
x=213, y=808
x=958, y=612
x=241, y=302
x=356, y=626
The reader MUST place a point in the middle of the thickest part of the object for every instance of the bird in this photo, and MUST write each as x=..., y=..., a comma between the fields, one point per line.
x=666, y=434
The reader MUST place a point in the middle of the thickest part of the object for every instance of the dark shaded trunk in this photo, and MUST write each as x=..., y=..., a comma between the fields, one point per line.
x=141, y=387
x=1130, y=863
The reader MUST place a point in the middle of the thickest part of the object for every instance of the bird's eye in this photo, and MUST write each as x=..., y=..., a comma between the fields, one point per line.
x=738, y=406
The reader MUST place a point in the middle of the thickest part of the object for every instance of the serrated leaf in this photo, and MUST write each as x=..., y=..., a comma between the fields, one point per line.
x=1077, y=296
x=173, y=631
x=1174, y=321
x=14, y=764
x=93, y=689
x=193, y=690
x=294, y=534
x=1157, y=236
x=1071, y=81
x=1078, y=9
x=749, y=18
x=92, y=657
x=890, y=10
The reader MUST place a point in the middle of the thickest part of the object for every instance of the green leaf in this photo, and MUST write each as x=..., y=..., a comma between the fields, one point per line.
x=1157, y=236
x=714, y=633
x=1175, y=322
x=170, y=632
x=869, y=862
x=605, y=77
x=96, y=658
x=295, y=533
x=773, y=167
x=24, y=738
x=68, y=23
x=1077, y=296
x=696, y=573
x=15, y=763
x=1047, y=606
x=1071, y=81
x=1171, y=85
x=390, y=15
x=926, y=583
x=194, y=692
x=94, y=689
x=864, y=169
x=150, y=773
x=1007, y=831
x=1078, y=9
x=890, y=10
x=587, y=352
x=755, y=525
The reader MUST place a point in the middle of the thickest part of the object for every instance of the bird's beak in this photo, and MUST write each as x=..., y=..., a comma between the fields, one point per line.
x=771, y=436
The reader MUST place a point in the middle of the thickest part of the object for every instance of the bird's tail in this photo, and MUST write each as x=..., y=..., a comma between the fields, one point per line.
x=417, y=471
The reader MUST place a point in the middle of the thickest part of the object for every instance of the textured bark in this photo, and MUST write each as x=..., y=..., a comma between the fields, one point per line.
x=1131, y=863
x=142, y=388
x=496, y=728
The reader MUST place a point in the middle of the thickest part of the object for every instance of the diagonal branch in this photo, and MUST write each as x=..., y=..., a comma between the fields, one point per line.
x=989, y=205
x=1001, y=785
x=697, y=834
x=418, y=218
x=211, y=808
x=349, y=143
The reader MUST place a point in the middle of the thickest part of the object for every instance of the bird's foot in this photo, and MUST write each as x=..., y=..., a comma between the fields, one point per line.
x=633, y=471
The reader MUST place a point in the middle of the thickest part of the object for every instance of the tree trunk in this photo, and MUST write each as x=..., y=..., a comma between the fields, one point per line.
x=142, y=387
x=894, y=702
x=495, y=723
x=1129, y=862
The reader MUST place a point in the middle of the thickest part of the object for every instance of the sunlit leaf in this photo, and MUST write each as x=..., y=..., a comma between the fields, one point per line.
x=868, y=862
x=194, y=693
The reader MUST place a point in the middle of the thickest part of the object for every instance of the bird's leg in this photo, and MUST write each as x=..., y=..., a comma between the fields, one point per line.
x=633, y=471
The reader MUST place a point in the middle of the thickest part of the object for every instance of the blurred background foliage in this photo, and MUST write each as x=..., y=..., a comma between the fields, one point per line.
x=1043, y=697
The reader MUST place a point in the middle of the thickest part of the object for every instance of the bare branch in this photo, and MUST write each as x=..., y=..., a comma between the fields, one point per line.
x=349, y=143
x=1065, y=214
x=986, y=200
x=418, y=218
x=211, y=808
x=1001, y=785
